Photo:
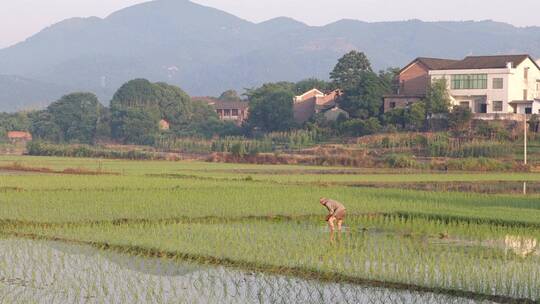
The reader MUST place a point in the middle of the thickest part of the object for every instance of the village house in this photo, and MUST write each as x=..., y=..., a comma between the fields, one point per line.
x=313, y=102
x=164, y=125
x=493, y=87
x=19, y=136
x=234, y=111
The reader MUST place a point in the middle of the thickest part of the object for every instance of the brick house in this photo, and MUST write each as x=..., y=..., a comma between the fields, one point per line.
x=414, y=81
x=19, y=136
x=313, y=102
x=493, y=87
x=234, y=111
x=164, y=125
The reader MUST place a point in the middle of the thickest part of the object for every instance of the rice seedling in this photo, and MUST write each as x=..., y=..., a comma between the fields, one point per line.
x=85, y=275
x=227, y=221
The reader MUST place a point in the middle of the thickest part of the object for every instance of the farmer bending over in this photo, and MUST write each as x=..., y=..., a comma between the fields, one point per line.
x=336, y=212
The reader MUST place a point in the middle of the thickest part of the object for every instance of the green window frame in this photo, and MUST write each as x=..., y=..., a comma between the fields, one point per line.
x=469, y=82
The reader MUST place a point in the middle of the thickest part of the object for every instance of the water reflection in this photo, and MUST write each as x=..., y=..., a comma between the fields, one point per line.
x=497, y=187
x=43, y=272
x=522, y=246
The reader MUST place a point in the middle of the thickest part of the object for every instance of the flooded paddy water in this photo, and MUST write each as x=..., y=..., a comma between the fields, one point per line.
x=199, y=233
x=497, y=187
x=54, y=272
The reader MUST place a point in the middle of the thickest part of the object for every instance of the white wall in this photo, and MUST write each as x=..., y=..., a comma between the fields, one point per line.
x=489, y=94
x=513, y=85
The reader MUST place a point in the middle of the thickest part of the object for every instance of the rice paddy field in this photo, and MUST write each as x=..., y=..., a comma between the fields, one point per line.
x=107, y=231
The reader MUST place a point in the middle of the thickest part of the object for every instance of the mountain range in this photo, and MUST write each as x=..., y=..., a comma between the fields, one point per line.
x=207, y=51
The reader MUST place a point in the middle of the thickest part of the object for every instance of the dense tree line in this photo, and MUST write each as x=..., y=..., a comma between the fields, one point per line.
x=134, y=117
x=138, y=107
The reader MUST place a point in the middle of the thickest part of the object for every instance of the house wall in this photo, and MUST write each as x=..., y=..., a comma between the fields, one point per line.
x=475, y=96
x=399, y=101
x=303, y=110
x=227, y=115
x=514, y=83
x=531, y=84
x=414, y=80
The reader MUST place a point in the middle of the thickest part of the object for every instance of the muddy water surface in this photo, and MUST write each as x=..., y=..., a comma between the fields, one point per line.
x=52, y=272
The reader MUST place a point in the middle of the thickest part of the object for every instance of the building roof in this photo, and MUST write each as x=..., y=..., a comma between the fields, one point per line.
x=221, y=104
x=431, y=63
x=521, y=102
x=436, y=63
x=313, y=91
x=330, y=98
x=240, y=105
x=472, y=62
x=19, y=135
x=489, y=62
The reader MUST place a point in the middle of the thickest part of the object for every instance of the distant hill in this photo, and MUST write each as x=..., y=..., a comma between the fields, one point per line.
x=206, y=51
x=19, y=93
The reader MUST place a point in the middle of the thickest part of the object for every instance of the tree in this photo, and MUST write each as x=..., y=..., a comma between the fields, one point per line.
x=409, y=118
x=415, y=116
x=350, y=69
x=19, y=121
x=389, y=78
x=312, y=83
x=360, y=127
x=103, y=128
x=205, y=123
x=269, y=88
x=175, y=106
x=534, y=123
x=139, y=127
x=363, y=89
x=459, y=119
x=148, y=103
x=76, y=115
x=230, y=95
x=365, y=99
x=395, y=117
x=43, y=127
x=271, y=107
x=437, y=98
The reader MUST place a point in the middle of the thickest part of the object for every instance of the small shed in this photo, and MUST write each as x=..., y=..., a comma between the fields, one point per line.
x=19, y=136
x=164, y=125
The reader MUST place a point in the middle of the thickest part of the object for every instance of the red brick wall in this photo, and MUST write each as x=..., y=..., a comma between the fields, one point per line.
x=303, y=110
x=414, y=80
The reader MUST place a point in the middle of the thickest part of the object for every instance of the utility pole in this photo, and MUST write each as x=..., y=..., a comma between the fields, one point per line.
x=525, y=138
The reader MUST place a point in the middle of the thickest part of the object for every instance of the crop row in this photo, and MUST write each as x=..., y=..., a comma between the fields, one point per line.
x=480, y=259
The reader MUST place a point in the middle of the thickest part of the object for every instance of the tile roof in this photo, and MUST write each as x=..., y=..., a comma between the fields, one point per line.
x=241, y=105
x=488, y=62
x=436, y=63
x=222, y=105
x=472, y=62
x=19, y=135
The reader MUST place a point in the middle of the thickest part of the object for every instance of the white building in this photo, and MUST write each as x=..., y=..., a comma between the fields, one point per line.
x=494, y=85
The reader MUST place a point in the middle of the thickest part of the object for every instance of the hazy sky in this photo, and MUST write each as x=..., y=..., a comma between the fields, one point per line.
x=20, y=19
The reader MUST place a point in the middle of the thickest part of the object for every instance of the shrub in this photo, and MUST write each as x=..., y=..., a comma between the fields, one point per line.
x=492, y=130
x=37, y=148
x=482, y=149
x=400, y=161
x=479, y=164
